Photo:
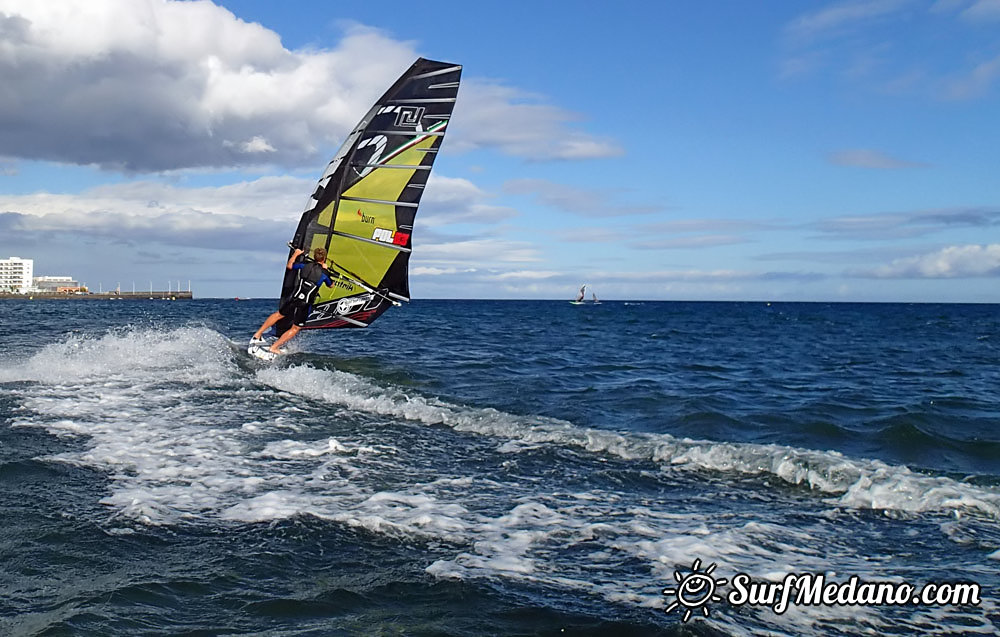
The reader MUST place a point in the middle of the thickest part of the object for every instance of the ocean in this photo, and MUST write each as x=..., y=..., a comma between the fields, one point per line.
x=496, y=467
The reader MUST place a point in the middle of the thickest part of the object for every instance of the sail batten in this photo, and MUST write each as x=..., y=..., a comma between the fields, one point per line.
x=396, y=132
x=363, y=208
x=450, y=69
x=402, y=166
x=426, y=100
x=407, y=204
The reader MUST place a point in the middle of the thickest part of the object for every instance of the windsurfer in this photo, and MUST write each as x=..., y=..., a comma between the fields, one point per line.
x=310, y=277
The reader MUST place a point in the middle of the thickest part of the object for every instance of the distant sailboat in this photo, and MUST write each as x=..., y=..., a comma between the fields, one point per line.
x=596, y=300
x=579, y=297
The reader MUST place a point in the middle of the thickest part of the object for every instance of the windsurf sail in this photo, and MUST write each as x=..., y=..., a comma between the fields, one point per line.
x=581, y=293
x=364, y=205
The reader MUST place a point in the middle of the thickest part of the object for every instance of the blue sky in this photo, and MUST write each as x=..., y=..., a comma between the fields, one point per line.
x=822, y=151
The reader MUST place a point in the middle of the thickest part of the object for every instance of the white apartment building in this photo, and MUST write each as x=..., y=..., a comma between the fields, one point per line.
x=15, y=275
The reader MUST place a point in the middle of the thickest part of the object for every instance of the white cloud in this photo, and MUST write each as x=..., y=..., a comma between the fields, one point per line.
x=426, y=271
x=842, y=15
x=872, y=41
x=257, y=145
x=474, y=251
x=908, y=224
x=164, y=85
x=145, y=210
x=593, y=234
x=249, y=216
x=964, y=261
x=689, y=242
x=686, y=284
x=489, y=114
x=270, y=198
x=976, y=81
x=972, y=11
x=589, y=202
x=188, y=228
x=866, y=158
x=448, y=201
x=675, y=275
x=527, y=274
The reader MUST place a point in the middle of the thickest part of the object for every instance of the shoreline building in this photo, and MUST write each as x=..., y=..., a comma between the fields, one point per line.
x=58, y=284
x=16, y=275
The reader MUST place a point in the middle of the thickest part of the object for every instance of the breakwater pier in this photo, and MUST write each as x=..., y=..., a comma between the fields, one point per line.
x=100, y=296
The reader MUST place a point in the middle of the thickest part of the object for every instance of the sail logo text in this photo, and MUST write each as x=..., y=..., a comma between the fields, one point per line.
x=343, y=285
x=382, y=235
x=409, y=116
x=365, y=218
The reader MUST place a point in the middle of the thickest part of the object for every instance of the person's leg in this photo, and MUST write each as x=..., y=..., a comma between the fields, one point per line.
x=287, y=336
x=271, y=320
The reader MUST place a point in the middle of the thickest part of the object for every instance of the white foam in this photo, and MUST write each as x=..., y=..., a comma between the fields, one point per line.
x=185, y=434
x=285, y=449
x=189, y=353
x=859, y=483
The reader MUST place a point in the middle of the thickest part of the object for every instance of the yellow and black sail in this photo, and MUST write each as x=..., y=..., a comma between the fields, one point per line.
x=364, y=205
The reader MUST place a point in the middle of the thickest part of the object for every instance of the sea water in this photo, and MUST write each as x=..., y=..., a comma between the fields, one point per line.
x=493, y=467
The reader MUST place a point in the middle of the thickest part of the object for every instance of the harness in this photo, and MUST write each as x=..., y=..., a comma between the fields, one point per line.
x=307, y=284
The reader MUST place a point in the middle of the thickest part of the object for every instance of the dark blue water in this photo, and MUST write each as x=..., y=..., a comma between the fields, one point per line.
x=479, y=467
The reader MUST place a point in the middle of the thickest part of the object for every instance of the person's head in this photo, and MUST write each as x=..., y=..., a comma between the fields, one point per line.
x=319, y=255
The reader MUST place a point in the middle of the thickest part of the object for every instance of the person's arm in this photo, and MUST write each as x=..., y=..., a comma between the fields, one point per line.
x=295, y=255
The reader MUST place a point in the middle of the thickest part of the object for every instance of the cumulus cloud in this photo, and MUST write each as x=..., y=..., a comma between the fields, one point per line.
x=490, y=114
x=187, y=229
x=281, y=198
x=588, y=202
x=261, y=212
x=866, y=158
x=448, y=201
x=164, y=85
x=952, y=262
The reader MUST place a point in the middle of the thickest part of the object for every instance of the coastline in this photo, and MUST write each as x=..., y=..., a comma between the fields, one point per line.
x=100, y=296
